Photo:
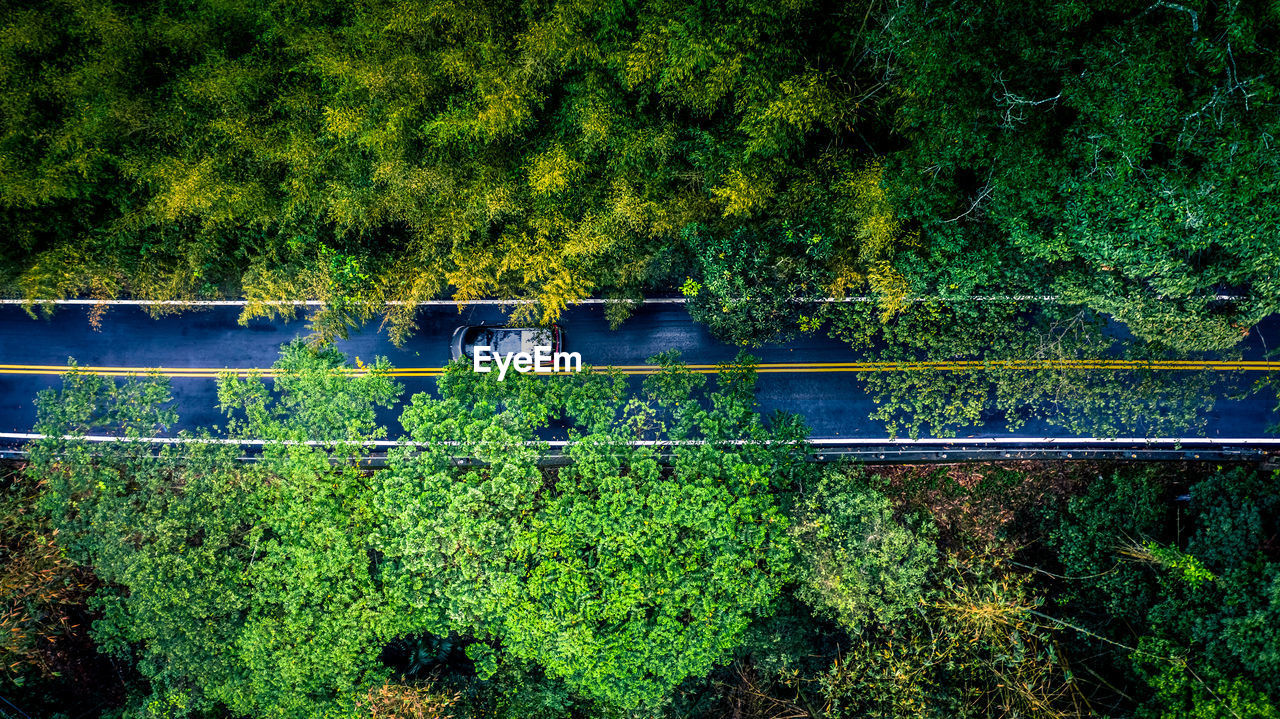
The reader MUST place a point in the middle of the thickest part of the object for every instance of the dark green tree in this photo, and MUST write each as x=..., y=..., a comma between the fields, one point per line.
x=1114, y=154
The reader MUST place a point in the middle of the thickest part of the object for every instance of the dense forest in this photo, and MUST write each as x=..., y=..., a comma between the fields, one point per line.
x=1116, y=155
x=478, y=574
x=1104, y=175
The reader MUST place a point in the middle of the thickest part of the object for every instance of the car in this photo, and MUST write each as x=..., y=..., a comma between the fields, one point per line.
x=502, y=340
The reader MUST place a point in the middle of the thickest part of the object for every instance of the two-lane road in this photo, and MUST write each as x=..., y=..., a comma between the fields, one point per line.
x=812, y=375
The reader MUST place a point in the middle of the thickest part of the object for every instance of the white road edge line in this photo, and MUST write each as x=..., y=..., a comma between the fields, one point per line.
x=819, y=441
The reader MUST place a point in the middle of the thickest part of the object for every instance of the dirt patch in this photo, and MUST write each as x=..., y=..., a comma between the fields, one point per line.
x=999, y=502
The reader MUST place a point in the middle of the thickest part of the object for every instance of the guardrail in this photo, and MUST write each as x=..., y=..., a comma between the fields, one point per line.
x=825, y=449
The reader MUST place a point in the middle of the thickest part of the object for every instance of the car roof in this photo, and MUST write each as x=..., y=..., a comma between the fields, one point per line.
x=519, y=339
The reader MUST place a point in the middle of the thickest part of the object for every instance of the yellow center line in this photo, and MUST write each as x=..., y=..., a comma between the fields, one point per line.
x=778, y=367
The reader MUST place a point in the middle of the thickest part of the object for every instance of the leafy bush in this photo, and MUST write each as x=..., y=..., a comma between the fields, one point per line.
x=859, y=562
x=754, y=291
x=1116, y=510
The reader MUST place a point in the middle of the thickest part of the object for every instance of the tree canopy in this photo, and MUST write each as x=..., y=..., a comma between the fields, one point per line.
x=679, y=557
x=595, y=546
x=272, y=588
x=1117, y=156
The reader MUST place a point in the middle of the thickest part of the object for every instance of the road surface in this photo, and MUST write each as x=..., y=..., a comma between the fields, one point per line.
x=812, y=375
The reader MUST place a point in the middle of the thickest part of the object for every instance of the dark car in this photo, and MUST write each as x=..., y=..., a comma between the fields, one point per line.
x=501, y=340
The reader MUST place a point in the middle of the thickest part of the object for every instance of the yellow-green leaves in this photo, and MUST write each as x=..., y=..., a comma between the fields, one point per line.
x=553, y=171
x=742, y=194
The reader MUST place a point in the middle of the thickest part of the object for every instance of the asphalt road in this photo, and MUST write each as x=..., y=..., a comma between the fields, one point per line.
x=830, y=398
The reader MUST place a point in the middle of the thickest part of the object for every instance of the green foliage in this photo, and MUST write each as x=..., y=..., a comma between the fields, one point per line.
x=1115, y=511
x=977, y=648
x=1186, y=565
x=960, y=364
x=522, y=689
x=317, y=396
x=1234, y=511
x=860, y=564
x=246, y=586
x=622, y=579
x=164, y=531
x=751, y=155
x=754, y=291
x=1235, y=508
x=271, y=588
x=354, y=154
x=619, y=575
x=1178, y=693
x=1199, y=622
x=1138, y=611
x=1116, y=154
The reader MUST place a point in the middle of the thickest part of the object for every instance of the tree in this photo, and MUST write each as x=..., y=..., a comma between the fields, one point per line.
x=860, y=563
x=355, y=154
x=242, y=586
x=620, y=575
x=41, y=591
x=310, y=543
x=1197, y=605
x=1117, y=510
x=163, y=530
x=1114, y=153
x=934, y=628
x=749, y=291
